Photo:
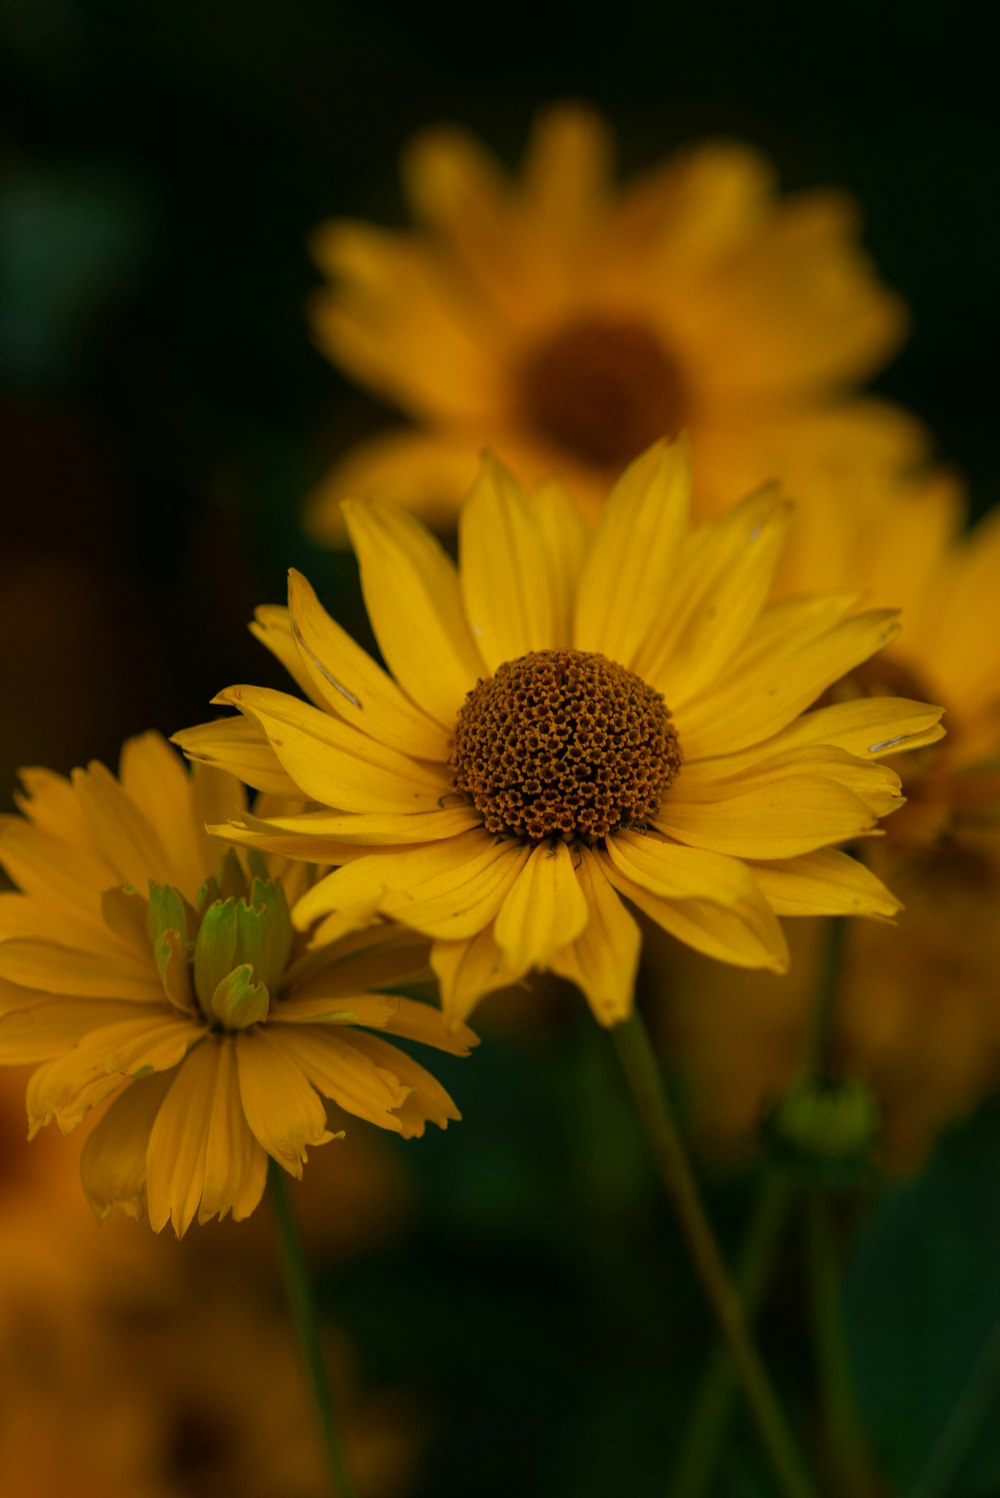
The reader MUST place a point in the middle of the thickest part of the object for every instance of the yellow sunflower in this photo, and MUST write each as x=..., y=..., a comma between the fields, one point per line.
x=566, y=323
x=145, y=963
x=574, y=721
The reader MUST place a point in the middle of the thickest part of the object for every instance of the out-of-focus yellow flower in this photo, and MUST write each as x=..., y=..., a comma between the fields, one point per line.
x=144, y=963
x=916, y=1015
x=566, y=323
x=576, y=721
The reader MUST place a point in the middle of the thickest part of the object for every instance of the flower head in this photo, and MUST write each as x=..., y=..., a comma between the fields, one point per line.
x=567, y=323
x=576, y=723
x=145, y=963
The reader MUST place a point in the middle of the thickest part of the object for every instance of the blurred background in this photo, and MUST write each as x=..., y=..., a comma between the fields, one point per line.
x=163, y=414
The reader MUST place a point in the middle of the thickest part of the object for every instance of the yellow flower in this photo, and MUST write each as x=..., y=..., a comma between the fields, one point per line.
x=903, y=543
x=566, y=324
x=576, y=720
x=145, y=963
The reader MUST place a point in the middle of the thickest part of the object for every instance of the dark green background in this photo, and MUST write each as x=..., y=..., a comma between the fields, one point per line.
x=162, y=414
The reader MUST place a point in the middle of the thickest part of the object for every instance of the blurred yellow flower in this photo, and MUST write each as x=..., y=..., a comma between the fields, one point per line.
x=576, y=721
x=145, y=963
x=566, y=323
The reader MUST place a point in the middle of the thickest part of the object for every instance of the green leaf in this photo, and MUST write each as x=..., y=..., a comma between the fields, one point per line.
x=238, y=1001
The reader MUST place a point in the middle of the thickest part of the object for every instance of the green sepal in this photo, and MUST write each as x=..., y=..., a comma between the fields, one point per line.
x=169, y=911
x=214, y=950
x=269, y=898
x=238, y=1001
x=175, y=971
x=257, y=864
x=826, y=1127
x=231, y=877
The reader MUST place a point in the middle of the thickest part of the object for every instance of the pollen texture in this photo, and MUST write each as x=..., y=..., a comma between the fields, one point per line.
x=603, y=390
x=566, y=744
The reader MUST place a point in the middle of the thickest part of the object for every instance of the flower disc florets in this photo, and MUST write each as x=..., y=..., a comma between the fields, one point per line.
x=564, y=743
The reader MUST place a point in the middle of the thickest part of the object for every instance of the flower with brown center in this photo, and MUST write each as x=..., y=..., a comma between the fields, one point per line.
x=566, y=323
x=575, y=724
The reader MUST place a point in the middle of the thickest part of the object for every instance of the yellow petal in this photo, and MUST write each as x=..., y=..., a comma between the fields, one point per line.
x=340, y=1071
x=48, y=1027
x=827, y=882
x=61, y=874
x=633, y=554
x=53, y=968
x=727, y=934
x=604, y=958
x=295, y=835
x=545, y=909
x=678, y=872
x=424, y=1100
x=157, y=781
x=235, y=1163
x=877, y=785
x=716, y=596
x=566, y=175
x=415, y=607
x=467, y=971
x=563, y=535
x=123, y=831
x=506, y=586
x=767, y=684
x=867, y=727
x=448, y=890
x=113, y=1162
x=331, y=762
x=241, y=747
x=346, y=680
x=178, y=1141
x=778, y=819
x=282, y=1109
x=428, y=473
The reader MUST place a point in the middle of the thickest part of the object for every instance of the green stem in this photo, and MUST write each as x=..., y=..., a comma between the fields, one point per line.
x=302, y=1303
x=643, y=1074
x=713, y=1405
x=845, y=1438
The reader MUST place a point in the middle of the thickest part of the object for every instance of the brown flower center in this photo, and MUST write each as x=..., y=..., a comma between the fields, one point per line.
x=602, y=389
x=564, y=743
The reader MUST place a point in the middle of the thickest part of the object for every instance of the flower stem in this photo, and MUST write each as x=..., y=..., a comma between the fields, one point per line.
x=643, y=1075
x=302, y=1303
x=713, y=1404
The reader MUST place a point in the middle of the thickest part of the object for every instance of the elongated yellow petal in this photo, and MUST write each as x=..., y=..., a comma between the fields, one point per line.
x=678, y=872
x=467, y=971
x=347, y=681
x=507, y=588
x=633, y=554
x=49, y=1027
x=827, y=882
x=51, y=968
x=720, y=588
x=178, y=1140
x=563, y=535
x=870, y=727
x=331, y=762
x=113, y=1162
x=762, y=690
x=241, y=747
x=373, y=829
x=60, y=873
x=424, y=1100
x=877, y=785
x=157, y=780
x=340, y=1071
x=604, y=959
x=545, y=909
x=281, y=1107
x=235, y=1162
x=779, y=819
x=123, y=832
x=272, y=626
x=412, y=595
x=745, y=935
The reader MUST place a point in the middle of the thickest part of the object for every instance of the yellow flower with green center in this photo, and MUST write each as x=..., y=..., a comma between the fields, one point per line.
x=144, y=963
x=576, y=723
x=566, y=323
